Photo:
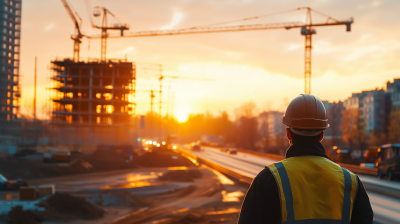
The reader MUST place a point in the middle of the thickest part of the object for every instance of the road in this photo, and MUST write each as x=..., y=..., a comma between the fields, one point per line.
x=386, y=208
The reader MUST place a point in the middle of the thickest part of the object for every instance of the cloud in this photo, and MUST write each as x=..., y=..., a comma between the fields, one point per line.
x=49, y=27
x=176, y=19
x=292, y=47
x=376, y=3
x=127, y=50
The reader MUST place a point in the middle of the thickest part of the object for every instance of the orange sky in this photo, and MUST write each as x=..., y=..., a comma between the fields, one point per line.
x=266, y=67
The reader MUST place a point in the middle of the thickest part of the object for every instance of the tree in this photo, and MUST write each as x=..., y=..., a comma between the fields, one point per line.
x=247, y=124
x=248, y=109
x=353, y=129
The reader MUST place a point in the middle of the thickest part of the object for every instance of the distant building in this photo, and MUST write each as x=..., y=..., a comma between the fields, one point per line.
x=9, y=62
x=392, y=103
x=270, y=123
x=334, y=115
x=371, y=109
x=353, y=102
x=276, y=128
x=271, y=130
x=393, y=91
x=327, y=104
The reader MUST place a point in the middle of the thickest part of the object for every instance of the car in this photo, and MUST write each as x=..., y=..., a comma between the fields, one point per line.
x=196, y=147
x=347, y=155
x=232, y=151
x=223, y=149
x=25, y=152
x=389, y=161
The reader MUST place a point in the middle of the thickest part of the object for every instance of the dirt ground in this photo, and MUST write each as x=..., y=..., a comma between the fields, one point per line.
x=32, y=167
x=154, y=188
x=208, y=197
x=210, y=200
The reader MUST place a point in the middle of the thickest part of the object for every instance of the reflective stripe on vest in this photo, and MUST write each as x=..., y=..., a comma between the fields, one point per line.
x=313, y=189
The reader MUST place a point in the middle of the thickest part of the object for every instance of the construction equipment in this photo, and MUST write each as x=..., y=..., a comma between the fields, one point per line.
x=7, y=185
x=307, y=30
x=151, y=99
x=56, y=154
x=104, y=27
x=77, y=35
x=151, y=109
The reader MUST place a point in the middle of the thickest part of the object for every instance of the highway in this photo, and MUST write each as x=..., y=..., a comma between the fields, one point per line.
x=386, y=208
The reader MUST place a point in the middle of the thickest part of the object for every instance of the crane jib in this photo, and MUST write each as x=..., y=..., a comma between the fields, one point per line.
x=198, y=30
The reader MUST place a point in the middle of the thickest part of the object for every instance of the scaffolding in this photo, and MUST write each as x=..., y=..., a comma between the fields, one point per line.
x=92, y=95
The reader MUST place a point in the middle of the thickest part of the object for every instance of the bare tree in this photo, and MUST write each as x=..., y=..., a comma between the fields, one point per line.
x=353, y=129
x=248, y=109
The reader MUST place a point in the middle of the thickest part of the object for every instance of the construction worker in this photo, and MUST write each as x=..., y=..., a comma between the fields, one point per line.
x=306, y=187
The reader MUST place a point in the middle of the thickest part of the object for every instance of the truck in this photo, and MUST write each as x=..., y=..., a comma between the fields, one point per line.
x=56, y=155
x=389, y=161
x=11, y=185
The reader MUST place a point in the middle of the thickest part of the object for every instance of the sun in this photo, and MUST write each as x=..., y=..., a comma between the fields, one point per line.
x=182, y=113
x=182, y=117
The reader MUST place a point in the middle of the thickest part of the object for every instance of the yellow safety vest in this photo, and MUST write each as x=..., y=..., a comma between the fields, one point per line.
x=314, y=190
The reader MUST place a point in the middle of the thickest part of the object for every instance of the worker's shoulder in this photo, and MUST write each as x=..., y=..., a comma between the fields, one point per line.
x=343, y=168
x=264, y=176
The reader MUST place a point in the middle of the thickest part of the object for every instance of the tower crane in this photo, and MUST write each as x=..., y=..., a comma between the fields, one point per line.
x=161, y=78
x=152, y=96
x=151, y=99
x=97, y=11
x=307, y=30
x=77, y=35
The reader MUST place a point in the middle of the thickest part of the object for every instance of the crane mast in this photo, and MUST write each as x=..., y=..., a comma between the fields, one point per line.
x=77, y=35
x=307, y=30
x=160, y=79
x=104, y=28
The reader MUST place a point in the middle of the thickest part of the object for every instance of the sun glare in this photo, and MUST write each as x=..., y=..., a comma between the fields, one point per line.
x=182, y=117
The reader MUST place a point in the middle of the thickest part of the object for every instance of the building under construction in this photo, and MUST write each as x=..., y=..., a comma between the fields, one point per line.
x=92, y=98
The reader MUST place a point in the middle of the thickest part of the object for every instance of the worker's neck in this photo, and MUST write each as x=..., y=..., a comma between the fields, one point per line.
x=305, y=145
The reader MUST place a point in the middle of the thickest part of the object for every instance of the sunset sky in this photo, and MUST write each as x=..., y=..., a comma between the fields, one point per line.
x=266, y=67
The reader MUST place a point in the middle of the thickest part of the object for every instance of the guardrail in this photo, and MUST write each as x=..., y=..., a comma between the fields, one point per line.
x=370, y=186
x=215, y=166
x=352, y=168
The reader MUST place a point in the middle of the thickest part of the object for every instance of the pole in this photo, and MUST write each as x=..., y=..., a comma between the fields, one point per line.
x=307, y=68
x=151, y=101
x=168, y=128
x=134, y=96
x=34, y=94
x=151, y=113
x=76, y=49
x=168, y=99
x=160, y=106
x=88, y=51
x=104, y=36
x=173, y=111
x=308, y=47
x=160, y=100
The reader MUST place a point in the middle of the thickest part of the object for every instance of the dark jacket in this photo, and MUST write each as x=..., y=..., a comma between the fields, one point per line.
x=262, y=203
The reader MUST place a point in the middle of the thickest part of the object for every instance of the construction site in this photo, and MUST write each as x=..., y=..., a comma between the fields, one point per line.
x=109, y=146
x=92, y=101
